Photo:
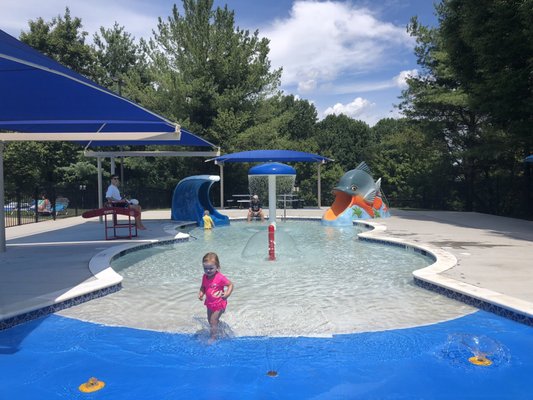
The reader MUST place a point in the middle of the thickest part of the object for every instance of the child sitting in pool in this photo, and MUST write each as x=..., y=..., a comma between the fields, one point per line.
x=208, y=221
x=216, y=288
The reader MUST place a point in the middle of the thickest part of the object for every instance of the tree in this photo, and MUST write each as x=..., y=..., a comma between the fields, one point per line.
x=63, y=40
x=415, y=172
x=490, y=48
x=477, y=58
x=344, y=139
x=117, y=57
x=437, y=100
x=204, y=68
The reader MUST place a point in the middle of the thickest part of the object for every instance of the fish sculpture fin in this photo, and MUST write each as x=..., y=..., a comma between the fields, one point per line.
x=370, y=196
x=364, y=167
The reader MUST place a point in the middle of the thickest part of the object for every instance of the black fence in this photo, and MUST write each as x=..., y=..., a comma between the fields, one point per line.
x=54, y=202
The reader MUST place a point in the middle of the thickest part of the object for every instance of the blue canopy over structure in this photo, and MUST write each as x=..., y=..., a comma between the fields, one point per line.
x=39, y=95
x=42, y=100
x=529, y=159
x=269, y=156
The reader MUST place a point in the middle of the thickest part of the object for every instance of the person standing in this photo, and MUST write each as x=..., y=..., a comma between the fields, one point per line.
x=216, y=288
x=208, y=221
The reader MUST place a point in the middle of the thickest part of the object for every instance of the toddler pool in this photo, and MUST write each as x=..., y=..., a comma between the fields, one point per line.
x=324, y=282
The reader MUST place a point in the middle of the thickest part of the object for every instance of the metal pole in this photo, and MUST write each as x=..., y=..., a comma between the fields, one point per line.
x=319, y=191
x=271, y=198
x=100, y=194
x=221, y=186
x=2, y=212
x=121, y=168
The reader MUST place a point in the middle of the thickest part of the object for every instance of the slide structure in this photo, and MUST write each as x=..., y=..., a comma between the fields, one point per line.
x=191, y=199
x=357, y=196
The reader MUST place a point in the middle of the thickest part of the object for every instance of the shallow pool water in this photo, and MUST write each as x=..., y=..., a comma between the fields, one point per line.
x=324, y=282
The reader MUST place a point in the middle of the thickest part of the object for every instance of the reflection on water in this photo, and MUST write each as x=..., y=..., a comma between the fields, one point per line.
x=323, y=282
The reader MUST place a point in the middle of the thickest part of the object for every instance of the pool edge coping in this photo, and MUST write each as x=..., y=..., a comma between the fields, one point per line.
x=104, y=280
x=430, y=278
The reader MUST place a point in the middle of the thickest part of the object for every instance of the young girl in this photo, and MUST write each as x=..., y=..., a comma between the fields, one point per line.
x=216, y=288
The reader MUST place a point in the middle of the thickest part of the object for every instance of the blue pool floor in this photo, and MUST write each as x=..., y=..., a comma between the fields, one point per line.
x=50, y=357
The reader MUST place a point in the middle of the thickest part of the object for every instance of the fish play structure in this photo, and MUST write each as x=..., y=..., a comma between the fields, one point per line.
x=357, y=196
x=191, y=199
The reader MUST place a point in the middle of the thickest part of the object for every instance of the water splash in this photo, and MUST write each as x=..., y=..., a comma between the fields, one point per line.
x=479, y=350
x=256, y=247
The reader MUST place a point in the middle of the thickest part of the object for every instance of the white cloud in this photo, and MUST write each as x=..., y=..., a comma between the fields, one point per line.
x=357, y=108
x=15, y=15
x=306, y=86
x=322, y=40
x=400, y=79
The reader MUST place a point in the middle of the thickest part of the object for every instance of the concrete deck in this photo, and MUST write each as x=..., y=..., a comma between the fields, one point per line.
x=487, y=257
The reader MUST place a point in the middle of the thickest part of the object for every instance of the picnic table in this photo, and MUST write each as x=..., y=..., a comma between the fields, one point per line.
x=241, y=200
x=291, y=199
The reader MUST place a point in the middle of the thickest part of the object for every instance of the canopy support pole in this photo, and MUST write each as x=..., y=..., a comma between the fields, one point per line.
x=319, y=194
x=2, y=211
x=221, y=166
x=121, y=168
x=100, y=194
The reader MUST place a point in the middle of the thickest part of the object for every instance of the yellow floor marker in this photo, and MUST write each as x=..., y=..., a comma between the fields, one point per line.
x=92, y=385
x=480, y=360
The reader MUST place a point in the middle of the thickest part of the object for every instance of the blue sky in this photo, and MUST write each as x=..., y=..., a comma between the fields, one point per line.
x=346, y=57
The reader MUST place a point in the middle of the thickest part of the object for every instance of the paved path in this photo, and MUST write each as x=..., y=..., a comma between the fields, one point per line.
x=45, y=260
x=493, y=252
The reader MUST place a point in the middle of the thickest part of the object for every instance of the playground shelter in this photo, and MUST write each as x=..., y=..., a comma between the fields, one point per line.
x=269, y=156
x=42, y=100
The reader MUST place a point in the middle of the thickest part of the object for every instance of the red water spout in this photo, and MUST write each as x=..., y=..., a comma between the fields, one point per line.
x=271, y=243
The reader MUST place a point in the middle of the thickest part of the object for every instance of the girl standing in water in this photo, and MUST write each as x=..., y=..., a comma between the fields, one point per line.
x=216, y=288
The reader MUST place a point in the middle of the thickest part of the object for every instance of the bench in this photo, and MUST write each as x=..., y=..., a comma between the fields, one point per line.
x=111, y=221
x=243, y=203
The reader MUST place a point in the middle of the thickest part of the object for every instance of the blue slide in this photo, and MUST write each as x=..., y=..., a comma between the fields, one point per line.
x=191, y=199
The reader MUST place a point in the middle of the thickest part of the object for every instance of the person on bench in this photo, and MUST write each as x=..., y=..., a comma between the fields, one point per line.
x=255, y=210
x=114, y=199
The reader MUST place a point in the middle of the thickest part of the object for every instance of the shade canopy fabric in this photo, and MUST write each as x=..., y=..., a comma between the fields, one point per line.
x=270, y=156
x=529, y=159
x=39, y=95
x=272, y=169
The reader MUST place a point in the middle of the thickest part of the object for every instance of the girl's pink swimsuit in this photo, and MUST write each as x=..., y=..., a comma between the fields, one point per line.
x=217, y=283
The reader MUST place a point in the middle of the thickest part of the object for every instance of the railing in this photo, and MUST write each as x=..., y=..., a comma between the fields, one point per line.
x=20, y=208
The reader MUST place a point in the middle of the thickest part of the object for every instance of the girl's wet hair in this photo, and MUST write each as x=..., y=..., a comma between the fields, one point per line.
x=213, y=257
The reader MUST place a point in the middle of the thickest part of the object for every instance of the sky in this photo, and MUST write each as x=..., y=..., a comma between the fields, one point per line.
x=348, y=57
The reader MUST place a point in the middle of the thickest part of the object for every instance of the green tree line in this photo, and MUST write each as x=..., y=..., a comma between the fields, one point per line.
x=465, y=131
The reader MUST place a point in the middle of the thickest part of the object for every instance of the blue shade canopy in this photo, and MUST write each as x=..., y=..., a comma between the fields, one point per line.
x=270, y=156
x=529, y=159
x=39, y=95
x=272, y=169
